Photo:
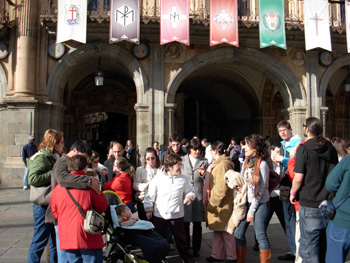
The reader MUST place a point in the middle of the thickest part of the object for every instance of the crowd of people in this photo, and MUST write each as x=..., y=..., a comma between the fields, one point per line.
x=191, y=182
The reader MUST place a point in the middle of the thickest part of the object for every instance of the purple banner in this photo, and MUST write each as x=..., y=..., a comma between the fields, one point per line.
x=125, y=21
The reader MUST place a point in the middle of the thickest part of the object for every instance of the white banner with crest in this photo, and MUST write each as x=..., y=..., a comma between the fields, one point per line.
x=71, y=20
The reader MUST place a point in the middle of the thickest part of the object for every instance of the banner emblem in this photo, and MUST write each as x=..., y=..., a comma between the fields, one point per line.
x=223, y=19
x=175, y=17
x=72, y=16
x=125, y=15
x=272, y=22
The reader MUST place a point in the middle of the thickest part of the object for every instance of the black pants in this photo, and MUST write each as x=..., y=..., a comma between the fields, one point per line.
x=196, y=235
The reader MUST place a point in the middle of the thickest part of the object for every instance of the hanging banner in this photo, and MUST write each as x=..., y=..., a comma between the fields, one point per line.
x=174, y=21
x=223, y=22
x=316, y=21
x=271, y=23
x=347, y=17
x=71, y=20
x=125, y=21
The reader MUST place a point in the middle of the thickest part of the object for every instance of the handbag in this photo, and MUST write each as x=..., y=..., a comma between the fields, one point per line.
x=285, y=186
x=93, y=222
x=327, y=208
x=40, y=195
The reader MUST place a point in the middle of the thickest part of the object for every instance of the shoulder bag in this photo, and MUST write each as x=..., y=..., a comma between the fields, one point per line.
x=327, y=208
x=40, y=195
x=93, y=221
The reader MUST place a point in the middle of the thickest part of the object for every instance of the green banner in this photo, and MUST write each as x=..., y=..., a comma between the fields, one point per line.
x=271, y=23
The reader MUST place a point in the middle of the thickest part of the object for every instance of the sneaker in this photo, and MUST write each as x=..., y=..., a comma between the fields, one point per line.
x=26, y=187
x=287, y=256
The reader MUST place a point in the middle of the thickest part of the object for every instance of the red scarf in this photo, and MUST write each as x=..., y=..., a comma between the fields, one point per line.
x=80, y=172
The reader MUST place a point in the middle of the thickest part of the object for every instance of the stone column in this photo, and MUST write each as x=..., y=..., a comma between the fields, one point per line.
x=297, y=116
x=324, y=111
x=312, y=88
x=169, y=119
x=142, y=128
x=156, y=98
x=27, y=49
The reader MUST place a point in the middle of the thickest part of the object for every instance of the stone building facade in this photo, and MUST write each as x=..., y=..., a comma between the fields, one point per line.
x=152, y=90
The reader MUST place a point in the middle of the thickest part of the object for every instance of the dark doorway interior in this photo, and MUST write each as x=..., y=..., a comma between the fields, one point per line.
x=114, y=128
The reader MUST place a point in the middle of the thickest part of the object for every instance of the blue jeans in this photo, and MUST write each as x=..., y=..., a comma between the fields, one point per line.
x=290, y=221
x=312, y=235
x=61, y=254
x=260, y=224
x=84, y=255
x=25, y=177
x=338, y=243
x=42, y=234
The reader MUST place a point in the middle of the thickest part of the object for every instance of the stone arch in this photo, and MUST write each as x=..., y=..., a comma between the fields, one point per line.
x=73, y=61
x=3, y=83
x=339, y=63
x=286, y=82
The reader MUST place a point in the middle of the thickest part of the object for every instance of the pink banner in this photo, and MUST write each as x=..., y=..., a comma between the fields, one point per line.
x=174, y=22
x=223, y=22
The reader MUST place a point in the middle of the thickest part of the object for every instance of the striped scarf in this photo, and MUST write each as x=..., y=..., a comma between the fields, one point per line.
x=254, y=163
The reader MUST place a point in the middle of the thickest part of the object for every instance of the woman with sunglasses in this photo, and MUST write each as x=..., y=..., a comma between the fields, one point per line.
x=194, y=167
x=144, y=175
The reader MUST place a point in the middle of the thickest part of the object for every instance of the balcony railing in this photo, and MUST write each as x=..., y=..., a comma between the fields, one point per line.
x=248, y=11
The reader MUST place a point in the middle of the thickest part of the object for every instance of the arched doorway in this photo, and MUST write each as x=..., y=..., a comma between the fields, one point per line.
x=75, y=97
x=226, y=88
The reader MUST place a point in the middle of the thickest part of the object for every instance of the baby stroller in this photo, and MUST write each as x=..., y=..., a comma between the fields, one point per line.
x=120, y=241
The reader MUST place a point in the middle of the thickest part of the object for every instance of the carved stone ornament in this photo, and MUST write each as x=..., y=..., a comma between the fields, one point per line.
x=298, y=57
x=173, y=51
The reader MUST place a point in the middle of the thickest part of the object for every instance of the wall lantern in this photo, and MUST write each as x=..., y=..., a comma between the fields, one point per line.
x=99, y=75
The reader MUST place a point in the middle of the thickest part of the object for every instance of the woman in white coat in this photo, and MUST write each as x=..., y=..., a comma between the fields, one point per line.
x=144, y=175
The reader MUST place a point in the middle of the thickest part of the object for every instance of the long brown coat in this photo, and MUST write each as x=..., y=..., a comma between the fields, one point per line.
x=220, y=205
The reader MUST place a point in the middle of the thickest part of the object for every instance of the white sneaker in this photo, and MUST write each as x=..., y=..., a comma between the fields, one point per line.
x=25, y=187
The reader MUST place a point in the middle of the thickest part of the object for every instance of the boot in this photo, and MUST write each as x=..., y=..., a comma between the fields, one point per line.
x=241, y=253
x=265, y=256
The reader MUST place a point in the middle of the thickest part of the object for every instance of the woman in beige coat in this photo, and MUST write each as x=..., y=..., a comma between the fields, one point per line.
x=220, y=205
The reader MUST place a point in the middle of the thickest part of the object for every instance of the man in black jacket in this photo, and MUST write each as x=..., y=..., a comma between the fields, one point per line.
x=174, y=147
x=313, y=162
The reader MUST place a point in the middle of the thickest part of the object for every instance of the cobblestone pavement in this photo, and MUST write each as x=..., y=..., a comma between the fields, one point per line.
x=16, y=231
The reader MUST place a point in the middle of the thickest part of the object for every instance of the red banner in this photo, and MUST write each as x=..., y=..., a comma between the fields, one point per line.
x=223, y=22
x=174, y=22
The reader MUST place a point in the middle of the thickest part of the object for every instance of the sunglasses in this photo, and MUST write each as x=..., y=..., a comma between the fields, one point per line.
x=150, y=158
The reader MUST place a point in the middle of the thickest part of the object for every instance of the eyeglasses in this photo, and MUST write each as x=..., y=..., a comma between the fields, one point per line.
x=282, y=130
x=150, y=158
x=179, y=165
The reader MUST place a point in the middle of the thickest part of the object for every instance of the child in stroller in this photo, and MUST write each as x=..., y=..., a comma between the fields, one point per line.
x=121, y=238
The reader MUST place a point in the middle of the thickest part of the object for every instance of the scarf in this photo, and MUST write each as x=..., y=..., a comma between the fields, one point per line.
x=254, y=163
x=80, y=172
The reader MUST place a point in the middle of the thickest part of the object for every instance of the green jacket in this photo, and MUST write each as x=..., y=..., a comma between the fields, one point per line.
x=40, y=168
